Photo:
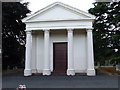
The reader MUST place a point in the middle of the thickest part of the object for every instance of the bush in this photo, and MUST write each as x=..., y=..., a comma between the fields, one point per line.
x=115, y=60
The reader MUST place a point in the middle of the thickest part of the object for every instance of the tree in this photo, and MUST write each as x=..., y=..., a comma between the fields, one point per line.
x=13, y=34
x=106, y=31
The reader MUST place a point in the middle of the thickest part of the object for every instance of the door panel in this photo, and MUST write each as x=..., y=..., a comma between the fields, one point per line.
x=60, y=58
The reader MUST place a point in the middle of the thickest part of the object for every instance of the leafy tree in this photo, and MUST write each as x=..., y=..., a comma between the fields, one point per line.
x=106, y=31
x=13, y=34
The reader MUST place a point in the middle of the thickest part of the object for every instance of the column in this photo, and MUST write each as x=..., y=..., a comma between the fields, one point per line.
x=70, y=70
x=90, y=56
x=27, y=71
x=46, y=70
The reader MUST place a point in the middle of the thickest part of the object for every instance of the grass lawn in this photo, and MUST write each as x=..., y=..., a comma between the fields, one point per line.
x=109, y=70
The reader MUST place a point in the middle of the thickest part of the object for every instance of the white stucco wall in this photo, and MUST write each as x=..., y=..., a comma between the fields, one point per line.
x=37, y=51
x=56, y=36
x=80, y=56
x=33, y=65
x=59, y=36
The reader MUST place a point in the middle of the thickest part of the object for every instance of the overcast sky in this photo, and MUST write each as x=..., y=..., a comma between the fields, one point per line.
x=35, y=5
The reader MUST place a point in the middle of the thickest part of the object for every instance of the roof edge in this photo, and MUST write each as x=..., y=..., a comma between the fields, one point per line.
x=58, y=3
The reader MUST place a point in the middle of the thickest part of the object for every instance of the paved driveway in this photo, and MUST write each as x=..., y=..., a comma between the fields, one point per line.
x=99, y=81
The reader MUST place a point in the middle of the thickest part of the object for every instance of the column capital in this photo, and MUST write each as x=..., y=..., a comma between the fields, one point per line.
x=46, y=30
x=89, y=30
x=28, y=31
x=70, y=29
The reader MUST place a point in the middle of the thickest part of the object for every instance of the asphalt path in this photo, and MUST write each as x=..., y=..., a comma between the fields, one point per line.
x=78, y=81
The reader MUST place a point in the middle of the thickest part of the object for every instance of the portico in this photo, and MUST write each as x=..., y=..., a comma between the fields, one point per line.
x=57, y=23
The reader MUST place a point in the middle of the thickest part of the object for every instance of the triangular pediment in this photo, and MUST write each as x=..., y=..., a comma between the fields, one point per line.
x=58, y=11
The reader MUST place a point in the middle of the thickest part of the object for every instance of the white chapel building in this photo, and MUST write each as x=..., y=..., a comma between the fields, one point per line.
x=59, y=41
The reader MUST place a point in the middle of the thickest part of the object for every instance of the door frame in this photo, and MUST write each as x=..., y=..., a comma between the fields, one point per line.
x=51, y=52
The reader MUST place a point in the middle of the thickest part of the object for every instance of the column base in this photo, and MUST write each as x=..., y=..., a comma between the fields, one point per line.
x=70, y=72
x=46, y=72
x=27, y=72
x=91, y=72
x=34, y=71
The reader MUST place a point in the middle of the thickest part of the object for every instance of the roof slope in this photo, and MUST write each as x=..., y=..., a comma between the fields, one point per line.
x=58, y=11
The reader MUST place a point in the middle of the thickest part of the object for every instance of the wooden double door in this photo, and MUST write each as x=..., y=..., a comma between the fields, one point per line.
x=60, y=58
